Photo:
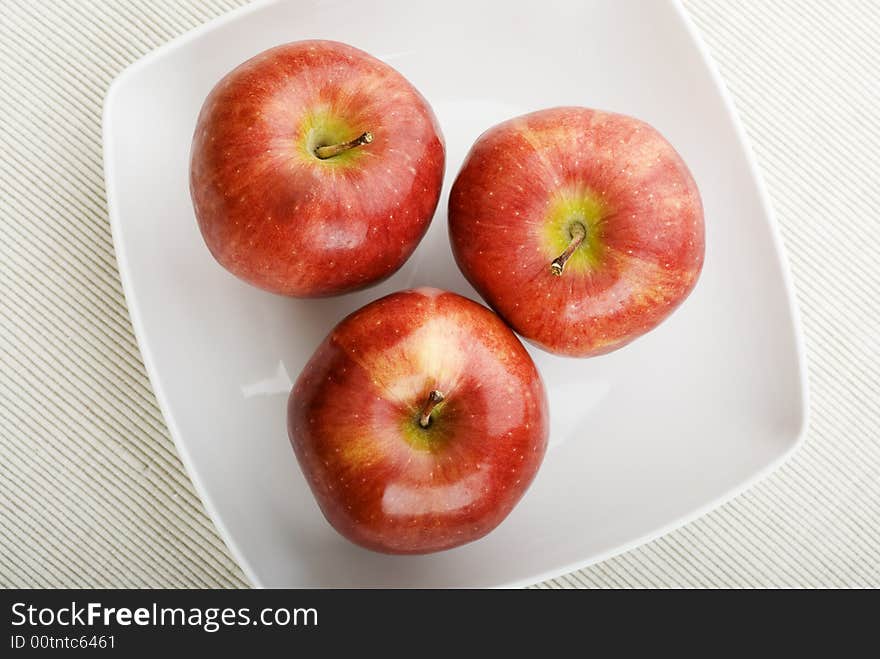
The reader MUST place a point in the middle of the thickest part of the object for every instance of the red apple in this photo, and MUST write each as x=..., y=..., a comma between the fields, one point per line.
x=315, y=169
x=582, y=229
x=419, y=422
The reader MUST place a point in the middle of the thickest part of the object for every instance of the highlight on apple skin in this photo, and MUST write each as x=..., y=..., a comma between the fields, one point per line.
x=315, y=169
x=419, y=422
x=583, y=229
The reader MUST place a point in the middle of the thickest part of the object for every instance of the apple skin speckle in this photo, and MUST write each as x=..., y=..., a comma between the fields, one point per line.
x=252, y=157
x=381, y=480
x=646, y=235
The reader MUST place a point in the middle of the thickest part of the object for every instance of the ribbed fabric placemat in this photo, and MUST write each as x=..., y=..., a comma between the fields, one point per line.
x=92, y=492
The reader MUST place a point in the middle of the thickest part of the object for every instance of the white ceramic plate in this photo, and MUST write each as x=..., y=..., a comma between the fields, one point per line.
x=642, y=440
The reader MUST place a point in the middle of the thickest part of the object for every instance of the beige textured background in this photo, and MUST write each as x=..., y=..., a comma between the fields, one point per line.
x=92, y=492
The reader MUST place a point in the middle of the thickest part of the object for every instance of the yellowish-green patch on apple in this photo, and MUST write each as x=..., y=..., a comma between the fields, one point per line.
x=431, y=438
x=566, y=210
x=323, y=128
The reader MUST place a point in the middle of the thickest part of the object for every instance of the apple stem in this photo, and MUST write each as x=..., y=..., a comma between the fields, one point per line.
x=330, y=150
x=434, y=398
x=577, y=232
